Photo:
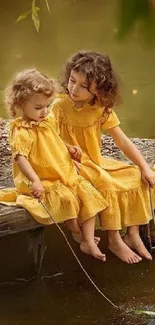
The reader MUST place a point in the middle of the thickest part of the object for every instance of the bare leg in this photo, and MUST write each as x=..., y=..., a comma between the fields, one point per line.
x=74, y=227
x=133, y=240
x=78, y=238
x=120, y=249
x=88, y=245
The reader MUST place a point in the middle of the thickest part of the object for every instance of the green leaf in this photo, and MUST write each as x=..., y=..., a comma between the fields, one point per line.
x=23, y=16
x=36, y=20
x=47, y=5
x=36, y=8
x=35, y=16
x=33, y=4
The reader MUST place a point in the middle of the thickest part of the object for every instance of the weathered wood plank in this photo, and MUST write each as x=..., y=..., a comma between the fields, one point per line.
x=14, y=220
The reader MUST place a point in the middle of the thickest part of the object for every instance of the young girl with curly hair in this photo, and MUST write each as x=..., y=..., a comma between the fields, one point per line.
x=41, y=158
x=83, y=111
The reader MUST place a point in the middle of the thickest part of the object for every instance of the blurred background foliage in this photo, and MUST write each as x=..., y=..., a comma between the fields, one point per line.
x=44, y=33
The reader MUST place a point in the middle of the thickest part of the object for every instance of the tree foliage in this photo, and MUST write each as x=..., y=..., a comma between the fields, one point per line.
x=34, y=12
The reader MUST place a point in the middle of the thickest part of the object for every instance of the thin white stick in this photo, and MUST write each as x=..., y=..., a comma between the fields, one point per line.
x=74, y=254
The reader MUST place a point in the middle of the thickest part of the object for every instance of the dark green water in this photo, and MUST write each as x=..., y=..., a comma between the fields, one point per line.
x=68, y=297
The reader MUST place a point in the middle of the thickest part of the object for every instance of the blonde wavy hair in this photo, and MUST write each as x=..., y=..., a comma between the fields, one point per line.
x=23, y=86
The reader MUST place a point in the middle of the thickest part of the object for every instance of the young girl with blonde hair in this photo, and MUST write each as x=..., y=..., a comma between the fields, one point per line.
x=41, y=160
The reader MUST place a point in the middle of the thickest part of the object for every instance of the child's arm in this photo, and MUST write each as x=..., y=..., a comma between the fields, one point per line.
x=26, y=168
x=131, y=151
x=74, y=151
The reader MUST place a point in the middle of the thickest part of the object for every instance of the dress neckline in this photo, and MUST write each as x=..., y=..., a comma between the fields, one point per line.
x=85, y=105
x=29, y=124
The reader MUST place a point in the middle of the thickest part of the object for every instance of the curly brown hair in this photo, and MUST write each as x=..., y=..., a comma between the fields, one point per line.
x=96, y=67
x=23, y=86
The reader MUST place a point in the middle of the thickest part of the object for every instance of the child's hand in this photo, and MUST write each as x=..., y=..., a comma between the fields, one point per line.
x=75, y=152
x=148, y=176
x=37, y=189
x=77, y=165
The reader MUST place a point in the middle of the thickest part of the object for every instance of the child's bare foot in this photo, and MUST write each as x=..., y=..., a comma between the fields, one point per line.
x=120, y=249
x=134, y=241
x=97, y=240
x=89, y=247
x=78, y=238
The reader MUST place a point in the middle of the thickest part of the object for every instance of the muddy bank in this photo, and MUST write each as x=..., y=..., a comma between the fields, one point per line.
x=5, y=155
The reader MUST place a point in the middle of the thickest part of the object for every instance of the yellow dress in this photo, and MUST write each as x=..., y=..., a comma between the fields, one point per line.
x=67, y=195
x=119, y=183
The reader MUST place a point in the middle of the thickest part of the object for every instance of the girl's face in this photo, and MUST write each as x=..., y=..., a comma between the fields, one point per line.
x=78, y=88
x=36, y=108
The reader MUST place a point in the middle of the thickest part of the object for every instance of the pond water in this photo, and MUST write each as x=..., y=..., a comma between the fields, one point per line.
x=65, y=296
x=83, y=24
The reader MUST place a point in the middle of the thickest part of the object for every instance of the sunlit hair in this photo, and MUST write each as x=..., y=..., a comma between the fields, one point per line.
x=23, y=86
x=96, y=67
